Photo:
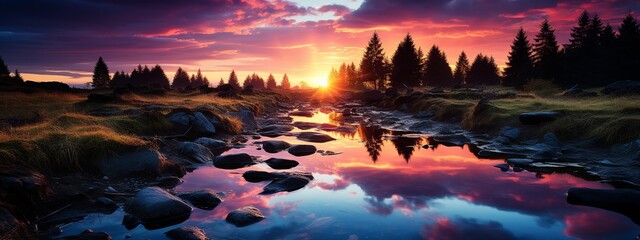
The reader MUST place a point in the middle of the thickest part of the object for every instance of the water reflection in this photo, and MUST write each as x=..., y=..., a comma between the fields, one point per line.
x=372, y=138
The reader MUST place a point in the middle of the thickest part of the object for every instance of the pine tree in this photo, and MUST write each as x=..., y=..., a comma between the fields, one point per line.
x=285, y=84
x=372, y=65
x=546, y=56
x=158, y=78
x=233, y=80
x=483, y=71
x=180, y=79
x=4, y=70
x=100, y=75
x=205, y=82
x=520, y=64
x=353, y=77
x=221, y=82
x=405, y=69
x=271, y=82
x=437, y=70
x=628, y=49
x=462, y=69
x=17, y=77
x=579, y=34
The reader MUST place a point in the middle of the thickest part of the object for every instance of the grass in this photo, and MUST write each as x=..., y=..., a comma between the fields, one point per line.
x=68, y=139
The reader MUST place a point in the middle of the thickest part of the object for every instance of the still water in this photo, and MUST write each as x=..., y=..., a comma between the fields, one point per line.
x=385, y=185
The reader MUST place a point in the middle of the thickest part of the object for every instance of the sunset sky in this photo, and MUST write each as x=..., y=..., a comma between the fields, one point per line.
x=61, y=40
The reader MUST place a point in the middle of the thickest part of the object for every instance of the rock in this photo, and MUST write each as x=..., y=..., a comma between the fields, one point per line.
x=371, y=96
x=168, y=182
x=286, y=184
x=257, y=176
x=626, y=87
x=279, y=163
x=315, y=137
x=103, y=98
x=346, y=129
x=511, y=133
x=201, y=126
x=275, y=130
x=186, y=233
x=181, y=120
x=147, y=163
x=519, y=161
x=215, y=146
x=437, y=90
x=302, y=150
x=624, y=201
x=245, y=216
x=574, y=91
x=424, y=114
x=537, y=117
x=449, y=140
x=301, y=113
x=195, y=152
x=274, y=146
x=305, y=125
x=156, y=208
x=327, y=127
x=247, y=118
x=285, y=105
x=106, y=203
x=233, y=161
x=551, y=139
x=503, y=167
x=129, y=221
x=391, y=92
x=205, y=199
x=88, y=235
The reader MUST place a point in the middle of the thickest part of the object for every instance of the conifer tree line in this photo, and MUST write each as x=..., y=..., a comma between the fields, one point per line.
x=156, y=78
x=6, y=76
x=596, y=55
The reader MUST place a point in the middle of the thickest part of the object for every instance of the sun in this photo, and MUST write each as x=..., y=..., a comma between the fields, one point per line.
x=321, y=81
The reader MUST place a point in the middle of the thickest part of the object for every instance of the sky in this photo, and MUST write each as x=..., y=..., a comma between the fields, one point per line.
x=61, y=40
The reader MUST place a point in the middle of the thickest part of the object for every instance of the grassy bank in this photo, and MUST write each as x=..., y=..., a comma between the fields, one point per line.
x=607, y=120
x=61, y=136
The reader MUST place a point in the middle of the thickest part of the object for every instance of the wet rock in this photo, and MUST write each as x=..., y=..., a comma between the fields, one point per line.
x=519, y=161
x=233, y=161
x=449, y=140
x=247, y=118
x=551, y=139
x=215, y=146
x=275, y=130
x=289, y=183
x=285, y=105
x=424, y=114
x=391, y=92
x=315, y=137
x=88, y=235
x=130, y=222
x=538, y=117
x=624, y=201
x=147, y=163
x=280, y=163
x=168, y=182
x=327, y=127
x=103, y=98
x=186, y=233
x=305, y=125
x=302, y=150
x=181, y=120
x=503, y=167
x=626, y=87
x=205, y=199
x=346, y=129
x=201, y=126
x=106, y=203
x=156, y=208
x=245, y=216
x=301, y=113
x=257, y=176
x=194, y=152
x=274, y=146
x=511, y=133
x=372, y=96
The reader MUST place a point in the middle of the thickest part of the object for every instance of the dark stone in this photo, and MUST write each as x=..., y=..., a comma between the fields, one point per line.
x=519, y=161
x=424, y=114
x=181, y=120
x=88, y=235
x=156, y=208
x=279, y=163
x=391, y=92
x=503, y=167
x=194, y=152
x=624, y=201
x=257, y=176
x=168, y=182
x=302, y=150
x=245, y=216
x=372, y=96
x=511, y=133
x=103, y=98
x=449, y=140
x=275, y=130
x=274, y=146
x=205, y=199
x=216, y=147
x=130, y=222
x=201, y=126
x=186, y=233
x=537, y=117
x=305, y=125
x=247, y=118
x=301, y=113
x=142, y=163
x=626, y=87
x=437, y=90
x=287, y=184
x=315, y=137
x=233, y=161
x=327, y=127
x=106, y=203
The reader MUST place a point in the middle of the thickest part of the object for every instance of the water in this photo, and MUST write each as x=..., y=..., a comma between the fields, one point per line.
x=384, y=186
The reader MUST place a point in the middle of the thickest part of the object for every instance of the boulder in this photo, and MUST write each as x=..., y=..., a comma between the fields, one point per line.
x=302, y=150
x=519, y=161
x=258, y=176
x=201, y=126
x=275, y=130
x=129, y=221
x=205, y=199
x=538, y=117
x=181, y=120
x=391, y=92
x=315, y=137
x=346, y=129
x=195, y=152
x=280, y=163
x=88, y=235
x=289, y=183
x=511, y=133
x=626, y=87
x=503, y=167
x=247, y=118
x=103, y=98
x=327, y=127
x=233, y=161
x=372, y=96
x=156, y=208
x=215, y=146
x=305, y=125
x=245, y=216
x=424, y=114
x=274, y=146
x=449, y=140
x=141, y=163
x=301, y=113
x=186, y=233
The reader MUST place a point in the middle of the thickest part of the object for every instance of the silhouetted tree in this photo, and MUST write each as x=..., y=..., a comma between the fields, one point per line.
x=285, y=84
x=233, y=80
x=583, y=54
x=372, y=65
x=483, y=71
x=180, y=79
x=100, y=74
x=221, y=82
x=199, y=80
x=17, y=77
x=546, y=56
x=352, y=74
x=158, y=78
x=462, y=69
x=257, y=82
x=628, y=49
x=405, y=146
x=4, y=70
x=405, y=70
x=437, y=70
x=423, y=62
x=371, y=136
x=271, y=82
x=520, y=64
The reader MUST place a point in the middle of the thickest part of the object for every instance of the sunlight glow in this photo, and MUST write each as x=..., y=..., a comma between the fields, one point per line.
x=321, y=81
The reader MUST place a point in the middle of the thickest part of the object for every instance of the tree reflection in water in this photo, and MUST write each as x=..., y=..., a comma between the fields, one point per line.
x=371, y=136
